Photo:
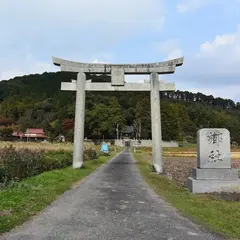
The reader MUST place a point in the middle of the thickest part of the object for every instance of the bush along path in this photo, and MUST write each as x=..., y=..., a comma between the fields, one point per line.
x=217, y=215
x=17, y=164
x=22, y=199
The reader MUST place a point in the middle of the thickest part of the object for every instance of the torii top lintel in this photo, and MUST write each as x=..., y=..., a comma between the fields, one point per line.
x=165, y=67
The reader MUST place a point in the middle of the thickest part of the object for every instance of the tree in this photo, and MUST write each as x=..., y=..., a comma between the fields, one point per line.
x=37, y=101
x=5, y=122
x=6, y=133
x=67, y=124
x=137, y=125
x=143, y=116
x=97, y=120
x=116, y=116
x=170, y=121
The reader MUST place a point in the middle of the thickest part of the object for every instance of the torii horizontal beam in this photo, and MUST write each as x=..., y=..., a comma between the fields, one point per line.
x=166, y=67
x=141, y=87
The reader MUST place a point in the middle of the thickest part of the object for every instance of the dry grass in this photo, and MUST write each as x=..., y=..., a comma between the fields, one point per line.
x=49, y=146
x=179, y=168
x=234, y=155
x=38, y=146
x=187, y=152
x=68, y=147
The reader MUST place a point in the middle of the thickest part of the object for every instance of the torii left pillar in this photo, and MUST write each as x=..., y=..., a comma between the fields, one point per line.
x=78, y=147
x=156, y=124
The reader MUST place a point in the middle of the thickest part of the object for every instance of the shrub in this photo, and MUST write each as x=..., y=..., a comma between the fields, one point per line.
x=55, y=160
x=90, y=154
x=100, y=154
x=23, y=163
x=18, y=164
x=6, y=133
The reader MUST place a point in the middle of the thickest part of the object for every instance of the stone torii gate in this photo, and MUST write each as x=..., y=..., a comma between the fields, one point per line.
x=117, y=72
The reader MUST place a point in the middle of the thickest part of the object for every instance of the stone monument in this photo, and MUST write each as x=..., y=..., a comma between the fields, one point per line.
x=213, y=172
x=117, y=83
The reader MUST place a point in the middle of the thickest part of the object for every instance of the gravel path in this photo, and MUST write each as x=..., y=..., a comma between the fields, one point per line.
x=112, y=203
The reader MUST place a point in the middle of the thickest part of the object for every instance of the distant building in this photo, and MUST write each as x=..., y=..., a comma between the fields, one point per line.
x=17, y=135
x=127, y=131
x=31, y=134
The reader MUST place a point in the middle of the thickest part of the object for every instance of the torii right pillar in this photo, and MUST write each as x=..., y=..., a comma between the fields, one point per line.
x=156, y=124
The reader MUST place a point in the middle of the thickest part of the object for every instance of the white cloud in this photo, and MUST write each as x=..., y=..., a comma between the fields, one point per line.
x=227, y=45
x=192, y=5
x=169, y=47
x=221, y=57
x=73, y=29
x=102, y=57
x=217, y=61
x=28, y=65
x=175, y=53
x=214, y=70
x=166, y=46
x=30, y=19
x=31, y=65
x=228, y=92
x=98, y=61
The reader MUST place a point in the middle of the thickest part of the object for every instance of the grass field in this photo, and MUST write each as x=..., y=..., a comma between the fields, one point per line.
x=220, y=216
x=234, y=155
x=45, y=146
x=39, y=146
x=27, y=197
x=187, y=152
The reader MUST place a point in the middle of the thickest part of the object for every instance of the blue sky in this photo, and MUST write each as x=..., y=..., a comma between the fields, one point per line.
x=205, y=32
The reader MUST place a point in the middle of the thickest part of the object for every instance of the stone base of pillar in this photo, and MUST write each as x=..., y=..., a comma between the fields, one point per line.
x=157, y=168
x=77, y=164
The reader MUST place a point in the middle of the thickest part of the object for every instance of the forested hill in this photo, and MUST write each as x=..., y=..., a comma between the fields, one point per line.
x=37, y=101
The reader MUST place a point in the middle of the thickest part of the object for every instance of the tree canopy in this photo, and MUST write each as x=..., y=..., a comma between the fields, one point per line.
x=37, y=101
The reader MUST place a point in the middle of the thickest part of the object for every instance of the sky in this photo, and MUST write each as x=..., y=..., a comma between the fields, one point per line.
x=205, y=32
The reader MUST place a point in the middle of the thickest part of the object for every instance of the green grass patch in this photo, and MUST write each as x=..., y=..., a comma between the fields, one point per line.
x=220, y=216
x=27, y=197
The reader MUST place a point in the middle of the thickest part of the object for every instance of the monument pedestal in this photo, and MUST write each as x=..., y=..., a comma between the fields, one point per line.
x=208, y=186
x=214, y=180
x=224, y=174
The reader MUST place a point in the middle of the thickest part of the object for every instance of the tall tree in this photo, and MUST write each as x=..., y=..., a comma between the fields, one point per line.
x=116, y=116
x=143, y=115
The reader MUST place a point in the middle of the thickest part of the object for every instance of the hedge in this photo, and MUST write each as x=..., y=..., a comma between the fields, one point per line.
x=16, y=165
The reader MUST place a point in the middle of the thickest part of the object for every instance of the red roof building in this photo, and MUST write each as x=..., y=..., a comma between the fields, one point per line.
x=35, y=132
x=31, y=133
x=17, y=134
